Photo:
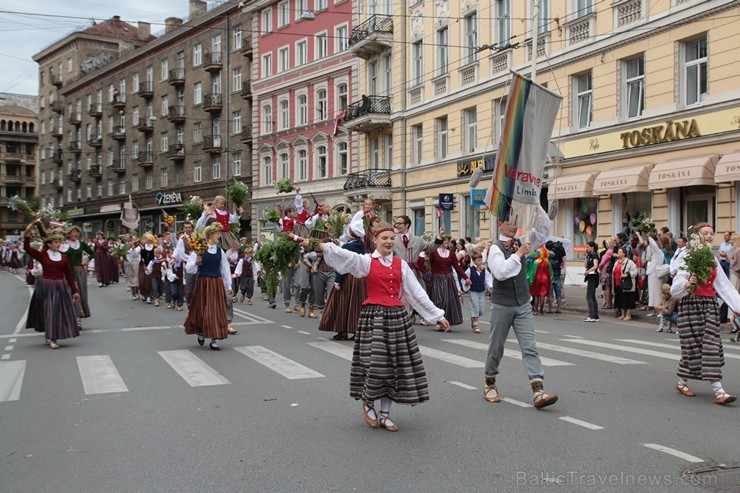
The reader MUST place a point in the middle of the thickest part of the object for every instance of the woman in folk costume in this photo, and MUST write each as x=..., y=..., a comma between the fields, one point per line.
x=52, y=308
x=131, y=267
x=207, y=315
x=146, y=255
x=369, y=218
x=344, y=304
x=103, y=269
x=444, y=287
x=539, y=276
x=74, y=249
x=217, y=210
x=385, y=336
x=702, y=355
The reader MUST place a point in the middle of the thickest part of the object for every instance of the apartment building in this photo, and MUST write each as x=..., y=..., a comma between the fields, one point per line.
x=304, y=78
x=159, y=122
x=648, y=124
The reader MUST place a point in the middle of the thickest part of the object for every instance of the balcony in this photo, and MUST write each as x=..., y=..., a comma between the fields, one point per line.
x=74, y=146
x=95, y=141
x=146, y=89
x=212, y=103
x=176, y=77
x=372, y=37
x=375, y=183
x=212, y=62
x=75, y=175
x=96, y=171
x=246, y=89
x=57, y=107
x=57, y=133
x=145, y=159
x=119, y=133
x=13, y=180
x=176, y=152
x=13, y=157
x=56, y=81
x=212, y=144
x=75, y=119
x=59, y=183
x=119, y=102
x=370, y=114
x=56, y=157
x=119, y=166
x=246, y=134
x=145, y=125
x=247, y=47
x=176, y=114
x=95, y=110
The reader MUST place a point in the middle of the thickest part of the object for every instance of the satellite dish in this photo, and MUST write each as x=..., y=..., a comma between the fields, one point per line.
x=476, y=176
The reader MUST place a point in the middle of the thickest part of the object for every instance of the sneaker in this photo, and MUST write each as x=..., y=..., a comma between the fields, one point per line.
x=149, y=301
x=288, y=309
x=589, y=319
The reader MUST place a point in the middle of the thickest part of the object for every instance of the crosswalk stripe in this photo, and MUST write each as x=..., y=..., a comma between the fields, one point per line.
x=11, y=380
x=462, y=385
x=578, y=422
x=516, y=402
x=507, y=352
x=450, y=358
x=99, y=375
x=673, y=452
x=618, y=347
x=195, y=371
x=252, y=317
x=588, y=354
x=277, y=363
x=669, y=346
x=344, y=352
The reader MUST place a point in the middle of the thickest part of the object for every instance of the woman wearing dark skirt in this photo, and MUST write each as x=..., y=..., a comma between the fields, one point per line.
x=146, y=255
x=102, y=260
x=207, y=314
x=625, y=296
x=445, y=293
x=592, y=281
x=74, y=249
x=386, y=362
x=52, y=308
x=702, y=354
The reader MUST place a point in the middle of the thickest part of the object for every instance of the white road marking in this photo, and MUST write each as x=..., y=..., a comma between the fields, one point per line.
x=463, y=385
x=673, y=452
x=28, y=334
x=192, y=369
x=574, y=337
x=8, y=348
x=11, y=380
x=13, y=340
x=287, y=327
x=99, y=375
x=5, y=356
x=335, y=348
x=587, y=354
x=304, y=332
x=516, y=402
x=507, y=352
x=450, y=358
x=542, y=331
x=252, y=317
x=628, y=349
x=669, y=346
x=277, y=363
x=578, y=422
x=22, y=322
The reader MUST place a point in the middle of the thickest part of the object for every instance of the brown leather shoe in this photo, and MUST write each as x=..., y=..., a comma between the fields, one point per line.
x=232, y=330
x=685, y=390
x=490, y=392
x=541, y=399
x=366, y=408
x=724, y=398
x=384, y=422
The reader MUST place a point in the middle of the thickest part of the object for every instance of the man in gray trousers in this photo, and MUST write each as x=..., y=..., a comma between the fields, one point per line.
x=182, y=251
x=511, y=308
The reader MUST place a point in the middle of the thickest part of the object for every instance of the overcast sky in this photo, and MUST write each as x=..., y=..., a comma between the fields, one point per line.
x=22, y=36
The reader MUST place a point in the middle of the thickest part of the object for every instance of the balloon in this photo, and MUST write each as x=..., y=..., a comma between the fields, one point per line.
x=582, y=226
x=577, y=220
x=593, y=218
x=589, y=231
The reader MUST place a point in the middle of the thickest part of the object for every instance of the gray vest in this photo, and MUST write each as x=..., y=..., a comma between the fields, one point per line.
x=513, y=291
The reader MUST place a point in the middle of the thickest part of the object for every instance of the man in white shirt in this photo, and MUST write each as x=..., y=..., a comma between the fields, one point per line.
x=724, y=254
x=182, y=252
x=678, y=256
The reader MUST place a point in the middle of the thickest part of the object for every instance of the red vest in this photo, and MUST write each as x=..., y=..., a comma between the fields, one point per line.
x=383, y=284
x=707, y=288
x=288, y=224
x=223, y=219
x=303, y=216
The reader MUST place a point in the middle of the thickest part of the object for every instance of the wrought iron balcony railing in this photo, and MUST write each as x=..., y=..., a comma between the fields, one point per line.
x=368, y=105
x=369, y=178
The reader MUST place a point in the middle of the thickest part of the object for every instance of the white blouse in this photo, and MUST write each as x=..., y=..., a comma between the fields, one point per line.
x=201, y=224
x=191, y=267
x=55, y=256
x=722, y=286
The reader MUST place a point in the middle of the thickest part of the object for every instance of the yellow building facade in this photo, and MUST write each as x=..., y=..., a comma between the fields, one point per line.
x=648, y=126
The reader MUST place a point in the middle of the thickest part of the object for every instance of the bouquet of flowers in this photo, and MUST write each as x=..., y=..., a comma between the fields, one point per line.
x=276, y=257
x=120, y=251
x=198, y=242
x=643, y=224
x=699, y=261
x=237, y=192
x=272, y=216
x=235, y=227
x=336, y=223
x=285, y=186
x=167, y=219
x=193, y=208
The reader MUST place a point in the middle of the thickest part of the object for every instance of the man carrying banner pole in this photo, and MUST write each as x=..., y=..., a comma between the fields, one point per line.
x=513, y=197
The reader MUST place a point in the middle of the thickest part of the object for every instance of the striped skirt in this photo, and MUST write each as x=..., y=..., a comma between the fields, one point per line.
x=445, y=297
x=702, y=355
x=145, y=282
x=207, y=312
x=342, y=311
x=229, y=241
x=82, y=307
x=386, y=361
x=52, y=310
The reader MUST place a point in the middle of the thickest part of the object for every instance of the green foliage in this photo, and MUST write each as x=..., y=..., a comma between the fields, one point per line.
x=336, y=223
x=277, y=257
x=119, y=252
x=237, y=192
x=699, y=261
x=285, y=186
x=643, y=224
x=272, y=216
x=193, y=208
x=235, y=227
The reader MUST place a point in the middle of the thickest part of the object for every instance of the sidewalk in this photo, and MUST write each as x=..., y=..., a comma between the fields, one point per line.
x=575, y=302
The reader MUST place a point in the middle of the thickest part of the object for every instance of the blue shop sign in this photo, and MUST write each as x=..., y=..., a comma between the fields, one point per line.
x=446, y=201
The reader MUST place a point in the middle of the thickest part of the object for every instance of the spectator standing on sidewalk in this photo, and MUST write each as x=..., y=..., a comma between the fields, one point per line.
x=592, y=281
x=557, y=255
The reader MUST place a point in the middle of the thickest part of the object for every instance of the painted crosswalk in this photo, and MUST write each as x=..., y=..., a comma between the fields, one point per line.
x=619, y=347
x=670, y=346
x=99, y=375
x=11, y=379
x=192, y=369
x=588, y=354
x=509, y=353
x=277, y=363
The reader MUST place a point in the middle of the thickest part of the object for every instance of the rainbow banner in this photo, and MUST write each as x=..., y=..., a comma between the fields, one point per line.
x=531, y=111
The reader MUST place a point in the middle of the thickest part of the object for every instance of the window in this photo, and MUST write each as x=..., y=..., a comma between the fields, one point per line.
x=321, y=105
x=216, y=167
x=302, y=165
x=500, y=118
x=42, y=102
x=442, y=137
x=695, y=71
x=301, y=8
x=341, y=39
x=372, y=77
x=164, y=142
x=267, y=170
x=236, y=122
x=236, y=159
x=283, y=115
x=267, y=21
x=134, y=185
x=164, y=178
x=417, y=73
x=267, y=65
x=470, y=38
x=165, y=106
x=388, y=158
x=584, y=7
x=283, y=59
x=342, y=158
x=121, y=187
x=197, y=54
x=443, y=56
x=283, y=14
x=583, y=97
x=635, y=89
x=135, y=115
x=302, y=109
x=148, y=180
x=388, y=74
x=417, y=141
x=342, y=97
x=321, y=162
x=197, y=172
x=238, y=37
x=301, y=54
x=470, y=135
x=544, y=21
x=197, y=93
x=284, y=165
x=322, y=50
x=374, y=158
x=236, y=76
x=164, y=69
x=320, y=5
x=197, y=133
x=216, y=83
x=267, y=119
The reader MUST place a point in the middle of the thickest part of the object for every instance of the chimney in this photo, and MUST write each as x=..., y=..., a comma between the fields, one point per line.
x=171, y=23
x=197, y=8
x=145, y=30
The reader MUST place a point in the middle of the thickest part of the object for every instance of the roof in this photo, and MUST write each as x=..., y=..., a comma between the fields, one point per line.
x=113, y=27
x=15, y=110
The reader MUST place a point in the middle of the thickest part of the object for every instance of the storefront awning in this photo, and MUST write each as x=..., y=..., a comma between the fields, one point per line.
x=684, y=172
x=572, y=186
x=728, y=168
x=623, y=180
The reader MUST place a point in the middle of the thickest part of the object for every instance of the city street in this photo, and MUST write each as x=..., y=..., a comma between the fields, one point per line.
x=134, y=404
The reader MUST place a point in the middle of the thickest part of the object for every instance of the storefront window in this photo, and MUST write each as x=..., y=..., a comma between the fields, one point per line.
x=635, y=205
x=698, y=206
x=472, y=219
x=585, y=219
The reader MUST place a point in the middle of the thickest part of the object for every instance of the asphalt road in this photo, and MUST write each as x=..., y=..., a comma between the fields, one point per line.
x=134, y=404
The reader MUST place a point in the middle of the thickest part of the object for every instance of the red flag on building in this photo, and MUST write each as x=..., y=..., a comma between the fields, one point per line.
x=336, y=122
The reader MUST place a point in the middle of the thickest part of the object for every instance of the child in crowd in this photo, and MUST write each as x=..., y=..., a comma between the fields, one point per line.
x=176, y=275
x=481, y=280
x=155, y=269
x=667, y=310
x=246, y=271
